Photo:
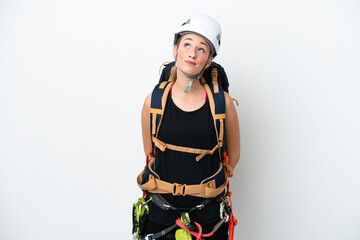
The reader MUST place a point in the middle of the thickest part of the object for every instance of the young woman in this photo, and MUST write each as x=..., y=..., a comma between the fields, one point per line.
x=187, y=122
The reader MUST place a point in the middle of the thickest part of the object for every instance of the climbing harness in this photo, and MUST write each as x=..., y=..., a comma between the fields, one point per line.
x=186, y=228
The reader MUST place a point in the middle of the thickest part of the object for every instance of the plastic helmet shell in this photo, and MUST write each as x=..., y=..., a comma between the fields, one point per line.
x=205, y=26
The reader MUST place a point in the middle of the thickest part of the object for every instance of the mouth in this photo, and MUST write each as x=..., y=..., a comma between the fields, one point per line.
x=190, y=63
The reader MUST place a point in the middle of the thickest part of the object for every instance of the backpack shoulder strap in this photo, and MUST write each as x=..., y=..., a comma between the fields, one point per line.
x=216, y=96
x=158, y=101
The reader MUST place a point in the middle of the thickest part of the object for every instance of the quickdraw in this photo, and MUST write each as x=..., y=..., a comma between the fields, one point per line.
x=140, y=213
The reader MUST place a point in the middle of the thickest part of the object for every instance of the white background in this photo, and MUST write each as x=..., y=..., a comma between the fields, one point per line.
x=73, y=77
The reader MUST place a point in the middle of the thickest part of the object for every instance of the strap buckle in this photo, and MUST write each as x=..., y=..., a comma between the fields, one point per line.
x=149, y=237
x=179, y=189
x=200, y=207
x=160, y=144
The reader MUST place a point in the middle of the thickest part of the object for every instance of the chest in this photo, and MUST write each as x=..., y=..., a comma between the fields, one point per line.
x=188, y=127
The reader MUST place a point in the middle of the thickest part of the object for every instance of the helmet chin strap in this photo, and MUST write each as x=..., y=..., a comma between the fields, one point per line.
x=192, y=78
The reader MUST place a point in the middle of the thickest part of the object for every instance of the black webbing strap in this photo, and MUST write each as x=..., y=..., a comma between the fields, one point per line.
x=160, y=201
x=159, y=234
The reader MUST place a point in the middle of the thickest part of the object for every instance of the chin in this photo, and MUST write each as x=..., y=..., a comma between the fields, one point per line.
x=190, y=70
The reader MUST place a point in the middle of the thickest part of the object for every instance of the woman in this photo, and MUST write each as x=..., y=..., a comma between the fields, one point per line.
x=187, y=121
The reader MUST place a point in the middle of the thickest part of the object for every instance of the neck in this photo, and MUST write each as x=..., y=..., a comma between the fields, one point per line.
x=190, y=79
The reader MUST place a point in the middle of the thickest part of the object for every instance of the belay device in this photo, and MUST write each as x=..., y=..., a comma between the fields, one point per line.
x=215, y=82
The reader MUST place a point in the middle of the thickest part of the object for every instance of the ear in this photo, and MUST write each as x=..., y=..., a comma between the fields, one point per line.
x=175, y=51
x=209, y=62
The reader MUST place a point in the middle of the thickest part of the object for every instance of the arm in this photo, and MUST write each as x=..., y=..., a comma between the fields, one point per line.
x=232, y=132
x=145, y=124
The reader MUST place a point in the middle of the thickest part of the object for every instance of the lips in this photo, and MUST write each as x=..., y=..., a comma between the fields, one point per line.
x=191, y=63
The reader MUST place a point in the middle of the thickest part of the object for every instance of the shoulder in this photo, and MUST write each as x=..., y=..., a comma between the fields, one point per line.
x=148, y=99
x=229, y=104
x=147, y=102
x=228, y=98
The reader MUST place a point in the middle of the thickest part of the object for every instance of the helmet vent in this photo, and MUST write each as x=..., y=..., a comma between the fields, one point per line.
x=187, y=22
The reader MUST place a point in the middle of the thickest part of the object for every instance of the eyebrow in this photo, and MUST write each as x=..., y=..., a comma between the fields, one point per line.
x=193, y=40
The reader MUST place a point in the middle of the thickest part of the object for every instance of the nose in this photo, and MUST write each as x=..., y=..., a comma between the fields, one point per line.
x=192, y=53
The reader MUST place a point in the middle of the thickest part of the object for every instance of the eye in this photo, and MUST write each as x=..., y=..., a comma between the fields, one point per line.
x=187, y=45
x=201, y=50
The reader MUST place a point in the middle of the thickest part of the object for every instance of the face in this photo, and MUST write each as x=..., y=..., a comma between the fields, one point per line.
x=192, y=53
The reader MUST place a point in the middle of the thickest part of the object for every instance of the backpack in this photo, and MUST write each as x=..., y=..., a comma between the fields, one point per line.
x=215, y=82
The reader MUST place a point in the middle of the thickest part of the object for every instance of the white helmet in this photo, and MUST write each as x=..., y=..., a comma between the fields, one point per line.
x=206, y=27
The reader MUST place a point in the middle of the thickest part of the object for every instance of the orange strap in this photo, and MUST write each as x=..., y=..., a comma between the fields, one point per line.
x=232, y=219
x=226, y=158
x=214, y=76
x=163, y=146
